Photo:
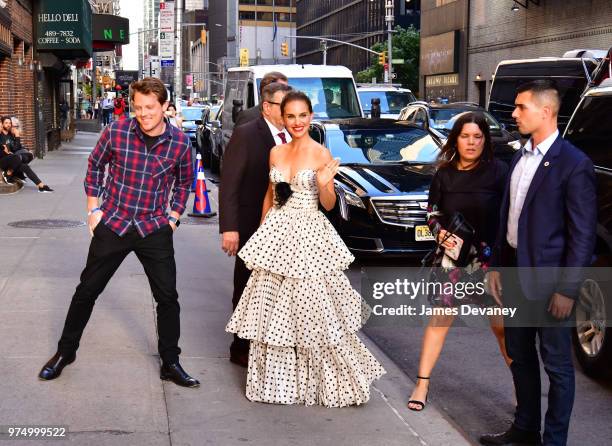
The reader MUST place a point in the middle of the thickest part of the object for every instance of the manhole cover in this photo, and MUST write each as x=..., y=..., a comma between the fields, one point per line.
x=199, y=221
x=46, y=224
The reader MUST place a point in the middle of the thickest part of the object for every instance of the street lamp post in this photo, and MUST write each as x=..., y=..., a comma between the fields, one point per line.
x=389, y=18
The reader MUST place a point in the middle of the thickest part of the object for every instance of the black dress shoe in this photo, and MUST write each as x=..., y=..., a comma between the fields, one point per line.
x=513, y=435
x=241, y=359
x=175, y=373
x=53, y=368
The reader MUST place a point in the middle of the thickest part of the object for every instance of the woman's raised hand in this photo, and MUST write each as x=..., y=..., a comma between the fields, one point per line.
x=327, y=173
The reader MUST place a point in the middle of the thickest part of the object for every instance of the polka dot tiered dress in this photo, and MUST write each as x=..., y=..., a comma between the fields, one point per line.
x=299, y=309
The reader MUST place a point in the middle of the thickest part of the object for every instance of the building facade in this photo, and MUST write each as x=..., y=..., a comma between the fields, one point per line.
x=263, y=27
x=358, y=22
x=443, y=49
x=549, y=28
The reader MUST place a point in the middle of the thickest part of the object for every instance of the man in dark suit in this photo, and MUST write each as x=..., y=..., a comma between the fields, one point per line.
x=244, y=182
x=547, y=230
x=254, y=112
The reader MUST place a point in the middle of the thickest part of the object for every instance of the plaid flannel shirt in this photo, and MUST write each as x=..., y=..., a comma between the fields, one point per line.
x=138, y=183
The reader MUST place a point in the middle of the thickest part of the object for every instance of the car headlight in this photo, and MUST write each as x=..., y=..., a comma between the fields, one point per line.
x=353, y=199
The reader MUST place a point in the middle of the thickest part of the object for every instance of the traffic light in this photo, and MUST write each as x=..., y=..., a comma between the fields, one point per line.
x=382, y=58
x=284, y=49
x=203, y=36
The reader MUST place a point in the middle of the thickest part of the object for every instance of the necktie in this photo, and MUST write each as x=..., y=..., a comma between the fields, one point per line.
x=281, y=135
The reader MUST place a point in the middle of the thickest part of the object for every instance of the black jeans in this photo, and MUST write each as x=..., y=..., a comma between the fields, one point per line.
x=106, y=253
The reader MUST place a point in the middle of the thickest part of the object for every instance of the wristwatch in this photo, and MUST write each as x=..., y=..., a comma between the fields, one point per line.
x=93, y=210
x=174, y=220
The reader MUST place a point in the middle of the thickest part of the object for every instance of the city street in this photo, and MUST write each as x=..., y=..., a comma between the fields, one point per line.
x=112, y=394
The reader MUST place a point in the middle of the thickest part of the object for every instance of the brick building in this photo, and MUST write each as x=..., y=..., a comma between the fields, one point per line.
x=463, y=41
x=549, y=28
x=18, y=66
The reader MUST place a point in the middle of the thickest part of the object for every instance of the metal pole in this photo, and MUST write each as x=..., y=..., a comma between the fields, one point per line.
x=324, y=47
x=178, y=73
x=389, y=19
x=275, y=27
x=256, y=48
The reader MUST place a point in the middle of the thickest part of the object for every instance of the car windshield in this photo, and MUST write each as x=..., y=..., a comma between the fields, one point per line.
x=391, y=102
x=331, y=97
x=191, y=114
x=379, y=146
x=587, y=129
x=443, y=119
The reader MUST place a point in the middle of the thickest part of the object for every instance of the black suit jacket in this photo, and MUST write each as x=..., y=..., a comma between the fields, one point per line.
x=244, y=178
x=248, y=115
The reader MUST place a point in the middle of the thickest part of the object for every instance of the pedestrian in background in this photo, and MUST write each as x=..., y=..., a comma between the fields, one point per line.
x=16, y=157
x=107, y=109
x=546, y=237
x=469, y=183
x=147, y=159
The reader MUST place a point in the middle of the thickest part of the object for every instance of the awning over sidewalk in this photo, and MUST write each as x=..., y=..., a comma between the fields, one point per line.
x=64, y=28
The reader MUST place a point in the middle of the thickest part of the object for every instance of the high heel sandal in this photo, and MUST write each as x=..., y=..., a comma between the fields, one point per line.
x=421, y=404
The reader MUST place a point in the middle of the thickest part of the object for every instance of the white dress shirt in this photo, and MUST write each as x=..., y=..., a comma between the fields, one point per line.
x=276, y=131
x=520, y=181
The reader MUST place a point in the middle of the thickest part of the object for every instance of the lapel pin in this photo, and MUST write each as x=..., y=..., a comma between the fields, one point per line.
x=546, y=164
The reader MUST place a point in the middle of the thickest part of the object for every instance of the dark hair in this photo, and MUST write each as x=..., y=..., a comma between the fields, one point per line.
x=273, y=88
x=542, y=88
x=4, y=118
x=538, y=86
x=272, y=76
x=150, y=85
x=295, y=96
x=171, y=104
x=449, y=156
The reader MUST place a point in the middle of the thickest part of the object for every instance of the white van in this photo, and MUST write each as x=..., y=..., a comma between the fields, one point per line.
x=331, y=88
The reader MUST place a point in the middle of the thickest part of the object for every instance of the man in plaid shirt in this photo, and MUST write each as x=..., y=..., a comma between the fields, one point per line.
x=146, y=158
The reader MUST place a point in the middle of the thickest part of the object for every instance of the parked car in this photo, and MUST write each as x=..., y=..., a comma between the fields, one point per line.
x=190, y=115
x=382, y=185
x=216, y=142
x=209, y=114
x=440, y=118
x=589, y=129
x=571, y=74
x=392, y=99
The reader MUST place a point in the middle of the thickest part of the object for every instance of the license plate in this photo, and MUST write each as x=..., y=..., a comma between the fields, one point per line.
x=422, y=233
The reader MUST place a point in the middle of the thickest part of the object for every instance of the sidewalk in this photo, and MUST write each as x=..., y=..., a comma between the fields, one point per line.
x=112, y=394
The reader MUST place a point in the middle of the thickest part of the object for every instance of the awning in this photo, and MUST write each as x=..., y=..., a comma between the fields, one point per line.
x=64, y=28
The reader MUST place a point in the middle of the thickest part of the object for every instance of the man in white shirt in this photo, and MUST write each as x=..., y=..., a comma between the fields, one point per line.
x=244, y=182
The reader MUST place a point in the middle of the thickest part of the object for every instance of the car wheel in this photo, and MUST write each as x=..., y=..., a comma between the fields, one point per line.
x=592, y=339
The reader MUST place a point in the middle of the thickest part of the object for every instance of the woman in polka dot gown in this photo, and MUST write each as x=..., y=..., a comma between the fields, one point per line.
x=298, y=309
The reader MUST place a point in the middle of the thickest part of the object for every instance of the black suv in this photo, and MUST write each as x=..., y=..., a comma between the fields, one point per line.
x=382, y=185
x=439, y=119
x=589, y=129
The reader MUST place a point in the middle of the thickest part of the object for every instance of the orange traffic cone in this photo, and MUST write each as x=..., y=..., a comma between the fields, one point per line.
x=201, y=204
x=198, y=166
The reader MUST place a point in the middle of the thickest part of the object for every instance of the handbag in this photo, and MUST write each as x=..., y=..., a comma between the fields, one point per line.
x=463, y=232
